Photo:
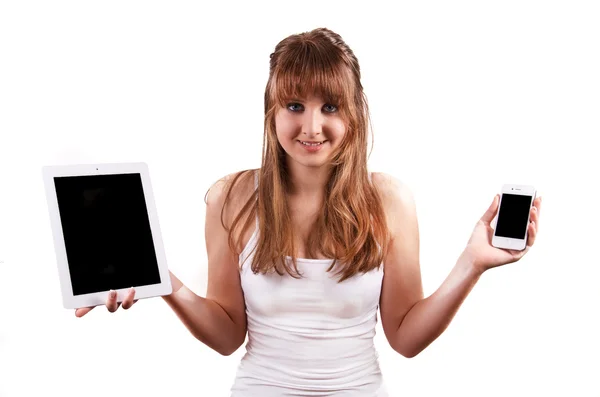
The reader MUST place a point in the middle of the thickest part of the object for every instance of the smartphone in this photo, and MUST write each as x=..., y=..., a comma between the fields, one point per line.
x=512, y=219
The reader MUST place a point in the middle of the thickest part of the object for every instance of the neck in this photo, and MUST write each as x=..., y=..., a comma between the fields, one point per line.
x=308, y=182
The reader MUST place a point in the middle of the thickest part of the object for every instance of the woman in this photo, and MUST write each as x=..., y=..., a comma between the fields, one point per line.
x=304, y=251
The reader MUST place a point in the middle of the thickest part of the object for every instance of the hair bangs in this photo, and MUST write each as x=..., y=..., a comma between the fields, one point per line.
x=310, y=70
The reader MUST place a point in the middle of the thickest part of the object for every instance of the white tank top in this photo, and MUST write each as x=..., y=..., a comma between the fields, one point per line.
x=309, y=336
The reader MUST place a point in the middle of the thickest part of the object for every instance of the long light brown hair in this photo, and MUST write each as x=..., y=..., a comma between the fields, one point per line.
x=351, y=227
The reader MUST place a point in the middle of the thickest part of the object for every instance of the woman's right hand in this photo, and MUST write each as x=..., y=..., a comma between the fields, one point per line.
x=111, y=303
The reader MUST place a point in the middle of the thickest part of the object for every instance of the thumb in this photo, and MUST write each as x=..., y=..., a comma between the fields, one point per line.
x=491, y=211
x=80, y=312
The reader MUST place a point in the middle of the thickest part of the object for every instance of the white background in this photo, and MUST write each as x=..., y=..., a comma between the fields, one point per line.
x=465, y=96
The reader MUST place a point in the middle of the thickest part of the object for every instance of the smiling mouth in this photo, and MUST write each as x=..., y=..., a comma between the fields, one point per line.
x=312, y=143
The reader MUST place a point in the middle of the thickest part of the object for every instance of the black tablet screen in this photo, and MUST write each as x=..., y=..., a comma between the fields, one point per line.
x=107, y=232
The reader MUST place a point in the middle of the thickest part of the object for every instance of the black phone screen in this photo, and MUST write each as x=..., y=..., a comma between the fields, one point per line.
x=513, y=216
x=107, y=232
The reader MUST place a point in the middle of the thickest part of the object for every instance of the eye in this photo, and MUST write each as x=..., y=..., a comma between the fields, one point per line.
x=289, y=105
x=329, y=108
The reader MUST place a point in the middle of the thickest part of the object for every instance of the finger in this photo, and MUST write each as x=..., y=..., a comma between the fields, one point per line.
x=531, y=234
x=533, y=216
x=111, y=302
x=128, y=301
x=491, y=211
x=82, y=311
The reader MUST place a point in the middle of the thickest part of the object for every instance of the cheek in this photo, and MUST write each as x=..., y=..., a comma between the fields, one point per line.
x=339, y=130
x=284, y=135
x=283, y=127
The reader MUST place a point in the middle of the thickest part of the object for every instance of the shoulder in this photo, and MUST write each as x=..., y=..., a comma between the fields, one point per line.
x=231, y=191
x=397, y=198
x=392, y=189
x=238, y=182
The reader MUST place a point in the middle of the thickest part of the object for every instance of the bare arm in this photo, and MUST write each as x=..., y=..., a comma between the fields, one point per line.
x=205, y=319
x=430, y=317
x=219, y=320
x=410, y=321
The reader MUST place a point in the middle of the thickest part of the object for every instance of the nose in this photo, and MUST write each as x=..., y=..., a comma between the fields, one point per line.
x=312, y=123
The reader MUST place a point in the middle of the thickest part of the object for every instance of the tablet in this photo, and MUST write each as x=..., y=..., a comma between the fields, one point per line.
x=106, y=232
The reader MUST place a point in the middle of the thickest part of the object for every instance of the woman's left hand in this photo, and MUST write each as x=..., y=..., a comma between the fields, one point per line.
x=480, y=250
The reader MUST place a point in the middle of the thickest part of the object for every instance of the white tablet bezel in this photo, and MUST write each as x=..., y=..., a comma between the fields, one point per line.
x=71, y=301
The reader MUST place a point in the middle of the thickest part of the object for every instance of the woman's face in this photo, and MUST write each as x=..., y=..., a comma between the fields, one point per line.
x=309, y=120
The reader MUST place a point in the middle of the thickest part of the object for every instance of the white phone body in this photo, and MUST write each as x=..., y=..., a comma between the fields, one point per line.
x=512, y=219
